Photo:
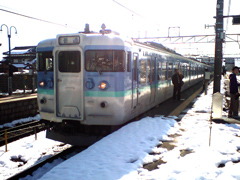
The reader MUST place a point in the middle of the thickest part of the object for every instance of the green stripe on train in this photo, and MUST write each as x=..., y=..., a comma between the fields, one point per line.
x=103, y=93
x=115, y=93
x=46, y=91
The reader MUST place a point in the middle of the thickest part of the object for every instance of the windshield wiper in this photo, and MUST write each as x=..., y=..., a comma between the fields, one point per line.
x=95, y=66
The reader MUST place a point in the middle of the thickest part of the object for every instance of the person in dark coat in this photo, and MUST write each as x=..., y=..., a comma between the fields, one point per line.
x=177, y=83
x=233, y=85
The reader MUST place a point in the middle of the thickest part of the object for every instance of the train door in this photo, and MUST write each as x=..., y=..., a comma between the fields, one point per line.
x=69, y=83
x=152, y=81
x=135, y=81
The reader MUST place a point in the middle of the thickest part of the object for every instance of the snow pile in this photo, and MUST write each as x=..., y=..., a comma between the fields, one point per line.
x=26, y=152
x=20, y=121
x=118, y=155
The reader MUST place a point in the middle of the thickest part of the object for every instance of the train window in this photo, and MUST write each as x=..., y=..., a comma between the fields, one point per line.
x=188, y=70
x=148, y=71
x=182, y=70
x=128, y=61
x=105, y=61
x=69, y=61
x=164, y=71
x=170, y=66
x=135, y=59
x=143, y=69
x=153, y=70
x=176, y=66
x=159, y=69
x=45, y=61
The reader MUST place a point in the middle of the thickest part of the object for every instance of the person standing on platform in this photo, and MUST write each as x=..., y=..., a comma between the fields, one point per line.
x=177, y=83
x=233, y=86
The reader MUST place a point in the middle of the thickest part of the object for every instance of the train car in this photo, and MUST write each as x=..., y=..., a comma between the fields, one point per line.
x=88, y=82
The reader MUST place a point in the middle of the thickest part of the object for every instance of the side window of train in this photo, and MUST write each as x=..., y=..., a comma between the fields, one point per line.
x=170, y=66
x=153, y=69
x=182, y=69
x=135, y=59
x=159, y=69
x=188, y=70
x=164, y=71
x=143, y=72
x=128, y=61
x=148, y=71
x=45, y=61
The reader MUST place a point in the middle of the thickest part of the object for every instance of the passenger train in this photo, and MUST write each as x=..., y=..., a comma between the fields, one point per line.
x=93, y=80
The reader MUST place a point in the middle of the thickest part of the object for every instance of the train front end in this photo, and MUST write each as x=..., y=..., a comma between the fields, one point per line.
x=87, y=87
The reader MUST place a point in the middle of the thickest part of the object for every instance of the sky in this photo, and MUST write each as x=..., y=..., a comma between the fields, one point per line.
x=155, y=18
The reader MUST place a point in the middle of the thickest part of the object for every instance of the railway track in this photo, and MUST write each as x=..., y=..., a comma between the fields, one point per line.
x=15, y=133
x=65, y=154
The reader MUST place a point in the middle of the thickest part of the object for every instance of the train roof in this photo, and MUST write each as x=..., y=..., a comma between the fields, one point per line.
x=159, y=47
x=46, y=45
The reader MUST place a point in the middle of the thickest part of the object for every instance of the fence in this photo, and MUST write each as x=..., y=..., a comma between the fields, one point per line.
x=20, y=81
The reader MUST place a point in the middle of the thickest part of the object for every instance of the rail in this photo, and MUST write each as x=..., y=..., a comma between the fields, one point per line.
x=15, y=133
x=63, y=154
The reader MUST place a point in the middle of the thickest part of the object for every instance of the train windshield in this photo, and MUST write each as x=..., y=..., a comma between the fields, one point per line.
x=45, y=61
x=105, y=61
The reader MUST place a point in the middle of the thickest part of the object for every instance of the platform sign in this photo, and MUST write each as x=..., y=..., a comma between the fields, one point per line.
x=207, y=75
x=217, y=105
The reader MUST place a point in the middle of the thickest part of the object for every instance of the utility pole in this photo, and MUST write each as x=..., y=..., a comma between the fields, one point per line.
x=218, y=46
x=10, y=68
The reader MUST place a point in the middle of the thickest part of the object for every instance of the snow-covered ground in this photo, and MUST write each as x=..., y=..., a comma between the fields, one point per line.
x=122, y=154
x=26, y=152
x=20, y=121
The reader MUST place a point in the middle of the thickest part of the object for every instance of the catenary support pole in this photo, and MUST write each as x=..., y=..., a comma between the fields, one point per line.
x=218, y=46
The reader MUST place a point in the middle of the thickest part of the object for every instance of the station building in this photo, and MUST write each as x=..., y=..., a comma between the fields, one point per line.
x=22, y=58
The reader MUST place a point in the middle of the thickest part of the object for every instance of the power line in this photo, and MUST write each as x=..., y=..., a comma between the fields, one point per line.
x=30, y=17
x=128, y=9
x=131, y=10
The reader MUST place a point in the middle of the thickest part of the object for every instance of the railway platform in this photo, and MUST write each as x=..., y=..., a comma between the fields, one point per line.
x=17, y=106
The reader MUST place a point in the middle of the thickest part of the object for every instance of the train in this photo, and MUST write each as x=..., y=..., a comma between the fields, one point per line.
x=91, y=82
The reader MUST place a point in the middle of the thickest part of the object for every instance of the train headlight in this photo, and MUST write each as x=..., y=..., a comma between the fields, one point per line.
x=103, y=85
x=41, y=83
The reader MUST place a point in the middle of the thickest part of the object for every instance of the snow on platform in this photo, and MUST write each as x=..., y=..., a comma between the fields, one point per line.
x=122, y=154
x=118, y=155
x=219, y=161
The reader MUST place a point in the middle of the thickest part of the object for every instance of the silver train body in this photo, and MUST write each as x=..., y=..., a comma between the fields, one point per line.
x=104, y=79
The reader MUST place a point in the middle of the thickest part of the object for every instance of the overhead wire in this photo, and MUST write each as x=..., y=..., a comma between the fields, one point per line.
x=131, y=10
x=31, y=17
